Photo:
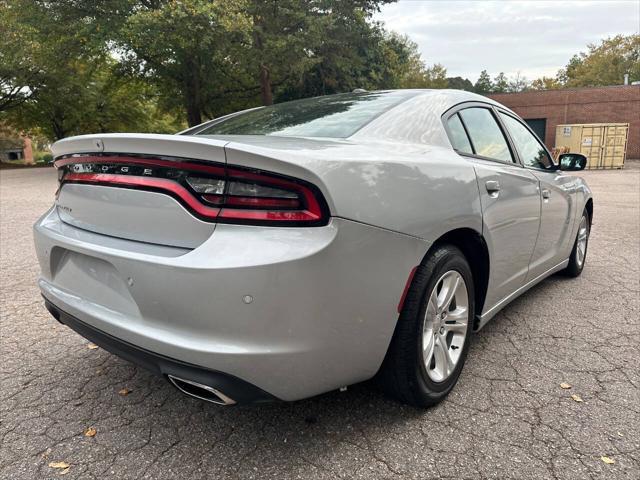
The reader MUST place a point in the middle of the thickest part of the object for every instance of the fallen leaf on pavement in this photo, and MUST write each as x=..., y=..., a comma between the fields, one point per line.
x=65, y=471
x=90, y=432
x=565, y=385
x=607, y=460
x=577, y=398
x=92, y=346
x=59, y=465
x=124, y=392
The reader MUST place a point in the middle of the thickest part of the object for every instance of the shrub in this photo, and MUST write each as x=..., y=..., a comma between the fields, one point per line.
x=43, y=157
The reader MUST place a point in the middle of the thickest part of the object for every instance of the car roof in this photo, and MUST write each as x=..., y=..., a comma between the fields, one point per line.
x=451, y=94
x=418, y=119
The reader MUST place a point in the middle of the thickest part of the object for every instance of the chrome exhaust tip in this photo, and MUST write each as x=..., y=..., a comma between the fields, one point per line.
x=200, y=391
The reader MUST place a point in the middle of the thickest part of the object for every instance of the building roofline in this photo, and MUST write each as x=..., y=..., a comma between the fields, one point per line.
x=570, y=89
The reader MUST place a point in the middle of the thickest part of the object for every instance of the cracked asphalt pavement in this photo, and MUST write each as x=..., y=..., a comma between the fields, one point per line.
x=508, y=417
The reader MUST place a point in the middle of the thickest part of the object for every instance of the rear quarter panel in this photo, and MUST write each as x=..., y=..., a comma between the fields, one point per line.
x=418, y=190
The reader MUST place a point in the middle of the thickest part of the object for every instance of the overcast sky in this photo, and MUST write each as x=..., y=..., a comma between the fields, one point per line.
x=534, y=38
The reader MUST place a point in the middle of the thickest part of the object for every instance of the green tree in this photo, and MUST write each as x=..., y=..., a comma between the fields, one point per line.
x=604, y=63
x=190, y=51
x=400, y=59
x=484, y=83
x=517, y=84
x=79, y=87
x=500, y=83
x=545, y=83
x=282, y=33
x=436, y=76
x=114, y=65
x=20, y=75
x=460, y=83
x=405, y=68
x=350, y=52
x=217, y=56
x=91, y=98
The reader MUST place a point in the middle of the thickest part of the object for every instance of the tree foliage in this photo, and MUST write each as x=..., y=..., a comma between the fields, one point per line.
x=518, y=83
x=218, y=56
x=545, y=83
x=186, y=49
x=460, y=83
x=20, y=75
x=79, y=66
x=98, y=65
x=349, y=51
x=484, y=83
x=604, y=63
x=284, y=37
x=500, y=83
x=79, y=86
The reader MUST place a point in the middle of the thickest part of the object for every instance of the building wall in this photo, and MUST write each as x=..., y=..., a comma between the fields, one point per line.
x=617, y=104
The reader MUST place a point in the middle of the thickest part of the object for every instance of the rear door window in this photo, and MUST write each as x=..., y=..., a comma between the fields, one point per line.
x=486, y=137
x=458, y=136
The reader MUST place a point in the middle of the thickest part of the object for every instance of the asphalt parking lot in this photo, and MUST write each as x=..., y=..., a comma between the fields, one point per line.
x=507, y=418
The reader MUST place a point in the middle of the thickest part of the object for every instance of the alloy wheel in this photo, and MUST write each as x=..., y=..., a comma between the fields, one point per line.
x=445, y=326
x=583, y=236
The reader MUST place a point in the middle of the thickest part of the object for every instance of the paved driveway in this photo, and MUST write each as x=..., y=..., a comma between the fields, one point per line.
x=507, y=418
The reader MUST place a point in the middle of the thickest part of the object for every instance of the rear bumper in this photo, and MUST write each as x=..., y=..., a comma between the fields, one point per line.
x=293, y=311
x=240, y=391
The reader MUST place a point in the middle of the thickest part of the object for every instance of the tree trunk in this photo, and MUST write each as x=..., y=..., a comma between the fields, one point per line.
x=192, y=93
x=265, y=85
x=58, y=130
x=194, y=116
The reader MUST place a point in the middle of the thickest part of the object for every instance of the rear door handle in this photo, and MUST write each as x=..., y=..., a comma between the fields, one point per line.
x=493, y=188
x=546, y=194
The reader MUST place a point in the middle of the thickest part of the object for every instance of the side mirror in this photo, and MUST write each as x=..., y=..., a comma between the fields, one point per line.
x=572, y=161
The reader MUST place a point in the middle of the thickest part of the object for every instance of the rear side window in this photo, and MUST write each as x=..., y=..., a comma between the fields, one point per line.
x=531, y=151
x=459, y=138
x=486, y=136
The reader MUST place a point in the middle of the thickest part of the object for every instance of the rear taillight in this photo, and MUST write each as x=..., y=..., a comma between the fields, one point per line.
x=211, y=192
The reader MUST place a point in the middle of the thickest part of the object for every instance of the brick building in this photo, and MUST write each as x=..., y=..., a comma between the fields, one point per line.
x=543, y=110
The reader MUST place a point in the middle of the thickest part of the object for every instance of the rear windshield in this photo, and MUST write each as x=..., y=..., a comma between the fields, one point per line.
x=337, y=116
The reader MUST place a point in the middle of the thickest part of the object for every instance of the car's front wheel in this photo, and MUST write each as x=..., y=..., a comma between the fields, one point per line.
x=431, y=340
x=579, y=252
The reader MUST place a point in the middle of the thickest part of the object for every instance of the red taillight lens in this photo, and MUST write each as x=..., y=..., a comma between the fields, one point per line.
x=262, y=202
x=211, y=192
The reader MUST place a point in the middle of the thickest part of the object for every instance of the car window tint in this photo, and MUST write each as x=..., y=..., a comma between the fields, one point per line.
x=486, y=136
x=330, y=116
x=531, y=151
x=459, y=138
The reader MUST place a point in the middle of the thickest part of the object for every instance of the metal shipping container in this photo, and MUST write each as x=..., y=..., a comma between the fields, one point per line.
x=604, y=144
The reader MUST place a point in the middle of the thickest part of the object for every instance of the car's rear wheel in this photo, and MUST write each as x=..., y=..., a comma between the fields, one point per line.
x=431, y=340
x=579, y=252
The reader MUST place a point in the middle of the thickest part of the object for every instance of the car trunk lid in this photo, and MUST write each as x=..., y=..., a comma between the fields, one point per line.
x=123, y=185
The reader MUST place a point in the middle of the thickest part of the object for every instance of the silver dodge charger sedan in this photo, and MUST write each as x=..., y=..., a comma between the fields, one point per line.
x=285, y=251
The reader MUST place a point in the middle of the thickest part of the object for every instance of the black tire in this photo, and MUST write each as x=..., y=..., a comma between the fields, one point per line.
x=403, y=373
x=575, y=267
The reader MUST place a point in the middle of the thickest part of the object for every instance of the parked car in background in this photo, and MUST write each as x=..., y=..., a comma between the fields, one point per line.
x=286, y=251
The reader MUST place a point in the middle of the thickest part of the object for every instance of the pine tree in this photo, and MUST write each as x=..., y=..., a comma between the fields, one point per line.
x=484, y=84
